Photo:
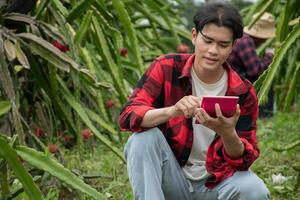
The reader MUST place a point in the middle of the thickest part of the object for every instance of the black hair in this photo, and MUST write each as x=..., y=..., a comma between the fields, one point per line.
x=220, y=14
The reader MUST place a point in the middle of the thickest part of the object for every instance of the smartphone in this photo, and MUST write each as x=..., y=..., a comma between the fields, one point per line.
x=227, y=104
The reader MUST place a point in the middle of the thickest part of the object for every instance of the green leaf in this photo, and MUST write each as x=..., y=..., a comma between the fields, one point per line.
x=292, y=89
x=20, y=18
x=292, y=59
x=181, y=31
x=10, y=155
x=261, y=49
x=10, y=50
x=258, y=83
x=101, y=104
x=90, y=78
x=22, y=58
x=163, y=14
x=254, y=9
x=59, y=6
x=77, y=11
x=84, y=26
x=41, y=8
x=43, y=162
x=114, y=32
x=5, y=106
x=50, y=53
x=52, y=31
x=130, y=32
x=261, y=12
x=86, y=119
x=51, y=97
x=4, y=182
x=102, y=45
x=8, y=87
x=95, y=117
x=275, y=65
x=282, y=26
x=86, y=56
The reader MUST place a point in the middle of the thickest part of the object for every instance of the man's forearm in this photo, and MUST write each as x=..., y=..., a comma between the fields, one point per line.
x=155, y=117
x=233, y=145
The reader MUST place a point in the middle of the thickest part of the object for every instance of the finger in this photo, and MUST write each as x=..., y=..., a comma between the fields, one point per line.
x=196, y=112
x=193, y=104
x=219, y=113
x=237, y=111
x=205, y=115
x=183, y=109
x=190, y=107
x=196, y=100
x=199, y=117
x=189, y=104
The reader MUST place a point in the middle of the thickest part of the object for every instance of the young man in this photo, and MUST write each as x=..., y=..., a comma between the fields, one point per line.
x=170, y=156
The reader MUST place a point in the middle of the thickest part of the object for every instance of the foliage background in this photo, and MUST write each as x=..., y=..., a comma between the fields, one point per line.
x=67, y=68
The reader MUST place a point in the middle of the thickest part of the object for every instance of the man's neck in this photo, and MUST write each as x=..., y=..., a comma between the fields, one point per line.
x=209, y=76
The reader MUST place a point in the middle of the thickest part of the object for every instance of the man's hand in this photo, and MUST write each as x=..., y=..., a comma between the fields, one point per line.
x=186, y=106
x=224, y=126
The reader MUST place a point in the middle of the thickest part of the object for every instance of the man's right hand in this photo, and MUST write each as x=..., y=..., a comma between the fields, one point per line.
x=186, y=106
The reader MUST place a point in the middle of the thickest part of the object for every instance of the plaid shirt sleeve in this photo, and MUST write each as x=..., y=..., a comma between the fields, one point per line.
x=143, y=98
x=246, y=51
x=220, y=165
x=246, y=129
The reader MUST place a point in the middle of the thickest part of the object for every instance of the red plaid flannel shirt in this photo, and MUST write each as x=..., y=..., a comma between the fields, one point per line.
x=164, y=83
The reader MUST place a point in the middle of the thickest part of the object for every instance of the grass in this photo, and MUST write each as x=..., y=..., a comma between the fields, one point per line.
x=110, y=174
x=277, y=132
x=274, y=135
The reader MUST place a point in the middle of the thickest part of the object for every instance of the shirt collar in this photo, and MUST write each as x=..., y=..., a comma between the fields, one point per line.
x=186, y=70
x=236, y=85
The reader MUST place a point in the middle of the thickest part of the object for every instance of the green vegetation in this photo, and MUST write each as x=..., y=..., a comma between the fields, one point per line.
x=274, y=135
x=103, y=170
x=67, y=68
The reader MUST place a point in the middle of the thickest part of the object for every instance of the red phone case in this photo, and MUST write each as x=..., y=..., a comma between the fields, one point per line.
x=227, y=104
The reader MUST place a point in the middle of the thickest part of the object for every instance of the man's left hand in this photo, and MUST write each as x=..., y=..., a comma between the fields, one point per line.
x=223, y=126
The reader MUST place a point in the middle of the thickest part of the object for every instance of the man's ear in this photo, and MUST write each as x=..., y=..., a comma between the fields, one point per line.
x=194, y=35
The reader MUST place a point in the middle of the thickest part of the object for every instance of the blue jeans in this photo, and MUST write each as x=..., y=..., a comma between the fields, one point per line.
x=155, y=174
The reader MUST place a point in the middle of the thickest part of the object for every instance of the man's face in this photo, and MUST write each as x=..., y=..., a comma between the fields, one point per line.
x=212, y=46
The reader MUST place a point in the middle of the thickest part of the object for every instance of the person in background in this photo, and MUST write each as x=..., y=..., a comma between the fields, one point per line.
x=244, y=59
x=177, y=151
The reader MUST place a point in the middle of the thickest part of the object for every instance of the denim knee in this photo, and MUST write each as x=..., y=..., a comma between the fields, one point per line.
x=140, y=143
x=244, y=186
x=260, y=192
x=255, y=189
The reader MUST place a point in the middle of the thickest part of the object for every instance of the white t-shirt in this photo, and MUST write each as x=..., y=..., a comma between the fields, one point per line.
x=195, y=168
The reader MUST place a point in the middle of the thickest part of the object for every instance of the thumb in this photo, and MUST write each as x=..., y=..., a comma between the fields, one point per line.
x=237, y=111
